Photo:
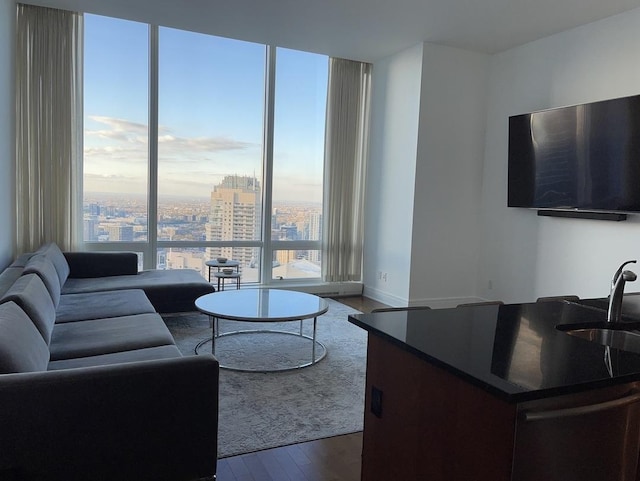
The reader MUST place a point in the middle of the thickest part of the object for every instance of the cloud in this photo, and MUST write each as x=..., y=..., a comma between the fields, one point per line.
x=200, y=144
x=118, y=136
x=121, y=132
x=117, y=152
x=110, y=177
x=121, y=125
x=116, y=160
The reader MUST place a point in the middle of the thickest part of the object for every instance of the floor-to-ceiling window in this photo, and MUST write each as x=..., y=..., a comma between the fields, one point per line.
x=298, y=160
x=198, y=146
x=116, y=134
x=210, y=150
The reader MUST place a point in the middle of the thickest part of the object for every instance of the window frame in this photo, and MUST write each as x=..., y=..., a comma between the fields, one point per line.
x=152, y=245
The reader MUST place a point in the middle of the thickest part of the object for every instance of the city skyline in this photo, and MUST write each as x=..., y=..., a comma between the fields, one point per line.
x=233, y=212
x=184, y=197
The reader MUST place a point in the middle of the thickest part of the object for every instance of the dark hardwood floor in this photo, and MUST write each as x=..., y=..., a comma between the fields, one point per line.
x=363, y=304
x=331, y=459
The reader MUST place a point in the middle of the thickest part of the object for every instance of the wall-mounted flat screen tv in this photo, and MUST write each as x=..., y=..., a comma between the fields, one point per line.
x=584, y=157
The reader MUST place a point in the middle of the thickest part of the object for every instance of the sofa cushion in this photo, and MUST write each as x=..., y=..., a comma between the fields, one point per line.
x=22, y=259
x=42, y=266
x=146, y=354
x=101, y=264
x=52, y=252
x=8, y=277
x=105, y=336
x=30, y=293
x=99, y=305
x=22, y=348
x=168, y=290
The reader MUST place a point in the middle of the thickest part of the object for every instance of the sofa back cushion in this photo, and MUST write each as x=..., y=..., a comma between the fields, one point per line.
x=22, y=348
x=52, y=252
x=8, y=277
x=86, y=265
x=30, y=293
x=42, y=266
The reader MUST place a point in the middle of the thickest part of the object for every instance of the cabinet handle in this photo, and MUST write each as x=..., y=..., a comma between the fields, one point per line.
x=580, y=410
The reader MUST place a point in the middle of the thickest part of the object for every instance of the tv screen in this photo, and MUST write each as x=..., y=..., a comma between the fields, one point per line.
x=583, y=157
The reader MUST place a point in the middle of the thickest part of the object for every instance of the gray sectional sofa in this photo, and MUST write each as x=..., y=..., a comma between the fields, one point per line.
x=92, y=386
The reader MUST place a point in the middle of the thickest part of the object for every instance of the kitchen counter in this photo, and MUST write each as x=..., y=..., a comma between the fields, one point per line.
x=512, y=351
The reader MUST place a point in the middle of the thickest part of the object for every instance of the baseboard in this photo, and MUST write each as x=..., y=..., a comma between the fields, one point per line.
x=383, y=297
x=324, y=289
x=434, y=303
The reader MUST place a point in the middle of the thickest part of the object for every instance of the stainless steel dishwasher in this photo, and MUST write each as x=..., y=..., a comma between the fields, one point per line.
x=579, y=437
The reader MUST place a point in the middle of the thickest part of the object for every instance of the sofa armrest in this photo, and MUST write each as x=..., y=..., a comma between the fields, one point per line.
x=101, y=264
x=144, y=420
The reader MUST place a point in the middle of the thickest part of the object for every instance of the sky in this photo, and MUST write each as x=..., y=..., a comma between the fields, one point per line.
x=211, y=109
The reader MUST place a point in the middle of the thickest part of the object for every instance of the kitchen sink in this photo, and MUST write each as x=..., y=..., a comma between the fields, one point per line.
x=617, y=338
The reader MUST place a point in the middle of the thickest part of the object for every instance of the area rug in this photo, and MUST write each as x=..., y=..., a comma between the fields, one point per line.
x=265, y=410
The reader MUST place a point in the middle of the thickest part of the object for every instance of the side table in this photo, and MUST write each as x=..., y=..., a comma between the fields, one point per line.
x=222, y=265
x=222, y=276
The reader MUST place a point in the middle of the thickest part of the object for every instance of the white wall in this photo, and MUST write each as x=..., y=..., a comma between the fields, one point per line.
x=395, y=105
x=425, y=170
x=7, y=129
x=446, y=239
x=459, y=249
x=524, y=256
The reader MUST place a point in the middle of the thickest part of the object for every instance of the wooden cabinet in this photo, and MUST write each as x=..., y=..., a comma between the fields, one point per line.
x=432, y=426
x=424, y=423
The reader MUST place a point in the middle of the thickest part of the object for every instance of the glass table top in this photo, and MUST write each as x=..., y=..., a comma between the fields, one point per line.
x=269, y=305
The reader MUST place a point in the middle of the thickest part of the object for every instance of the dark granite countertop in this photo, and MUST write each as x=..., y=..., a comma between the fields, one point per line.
x=513, y=351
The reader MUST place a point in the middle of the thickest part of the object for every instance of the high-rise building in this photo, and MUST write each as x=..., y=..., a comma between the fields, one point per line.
x=120, y=233
x=161, y=259
x=90, y=229
x=284, y=257
x=315, y=226
x=288, y=232
x=235, y=216
x=315, y=233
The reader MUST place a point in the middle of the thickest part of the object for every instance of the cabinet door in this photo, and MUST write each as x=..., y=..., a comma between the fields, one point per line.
x=423, y=423
x=592, y=436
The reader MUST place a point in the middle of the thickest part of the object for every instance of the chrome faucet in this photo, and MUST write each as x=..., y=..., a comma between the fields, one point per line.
x=618, y=272
x=614, y=313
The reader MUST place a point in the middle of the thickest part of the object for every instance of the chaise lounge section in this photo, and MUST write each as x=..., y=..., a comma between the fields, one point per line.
x=92, y=385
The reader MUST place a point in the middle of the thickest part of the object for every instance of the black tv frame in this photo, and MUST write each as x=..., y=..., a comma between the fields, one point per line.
x=610, y=125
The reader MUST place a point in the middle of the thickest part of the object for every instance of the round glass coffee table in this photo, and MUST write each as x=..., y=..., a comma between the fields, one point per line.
x=264, y=306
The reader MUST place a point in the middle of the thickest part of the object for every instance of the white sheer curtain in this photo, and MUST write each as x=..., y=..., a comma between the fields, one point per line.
x=345, y=155
x=49, y=126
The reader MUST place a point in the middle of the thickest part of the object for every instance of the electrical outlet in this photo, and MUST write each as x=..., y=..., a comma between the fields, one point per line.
x=376, y=401
x=384, y=276
x=379, y=275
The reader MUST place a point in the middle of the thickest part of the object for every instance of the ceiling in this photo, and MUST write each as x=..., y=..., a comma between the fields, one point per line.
x=363, y=29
